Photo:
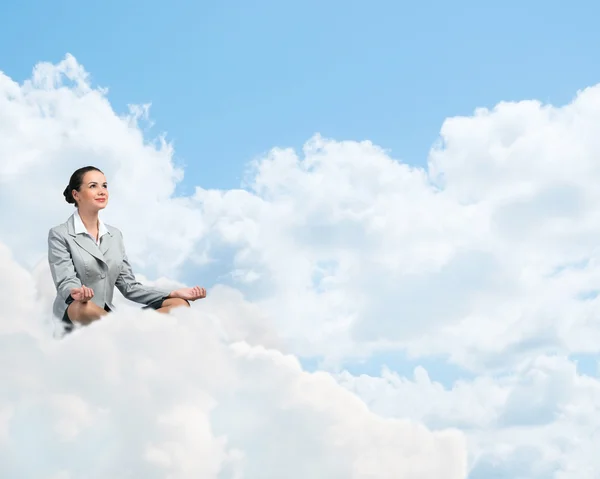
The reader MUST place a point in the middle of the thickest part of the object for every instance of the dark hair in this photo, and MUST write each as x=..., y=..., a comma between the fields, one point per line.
x=76, y=181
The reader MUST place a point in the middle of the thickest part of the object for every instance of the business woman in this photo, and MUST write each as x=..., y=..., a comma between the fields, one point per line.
x=87, y=260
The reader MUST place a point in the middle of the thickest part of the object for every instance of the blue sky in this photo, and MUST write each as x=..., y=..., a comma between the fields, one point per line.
x=229, y=80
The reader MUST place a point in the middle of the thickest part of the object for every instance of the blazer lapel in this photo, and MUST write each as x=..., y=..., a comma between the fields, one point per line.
x=88, y=244
x=105, y=242
x=85, y=241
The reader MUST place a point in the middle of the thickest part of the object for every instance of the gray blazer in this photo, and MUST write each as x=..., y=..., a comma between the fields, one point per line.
x=76, y=260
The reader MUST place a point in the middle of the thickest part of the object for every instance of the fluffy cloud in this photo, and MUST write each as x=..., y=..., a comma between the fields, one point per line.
x=144, y=395
x=539, y=420
x=486, y=258
x=53, y=124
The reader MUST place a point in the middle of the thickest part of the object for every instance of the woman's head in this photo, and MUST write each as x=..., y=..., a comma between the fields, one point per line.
x=87, y=189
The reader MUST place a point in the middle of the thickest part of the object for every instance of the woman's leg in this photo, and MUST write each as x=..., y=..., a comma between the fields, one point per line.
x=171, y=303
x=84, y=313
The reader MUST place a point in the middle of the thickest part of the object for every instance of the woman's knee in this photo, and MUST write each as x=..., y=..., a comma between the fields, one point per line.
x=174, y=303
x=84, y=312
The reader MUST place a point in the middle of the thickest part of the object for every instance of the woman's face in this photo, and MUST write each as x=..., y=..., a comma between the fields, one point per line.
x=93, y=193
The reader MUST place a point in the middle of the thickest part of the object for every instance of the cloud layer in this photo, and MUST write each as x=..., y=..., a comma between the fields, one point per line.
x=142, y=395
x=485, y=259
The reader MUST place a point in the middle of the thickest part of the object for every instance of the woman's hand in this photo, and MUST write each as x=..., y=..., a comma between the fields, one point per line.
x=83, y=294
x=191, y=294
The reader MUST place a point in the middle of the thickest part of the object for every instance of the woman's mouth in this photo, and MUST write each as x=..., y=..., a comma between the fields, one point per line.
x=101, y=200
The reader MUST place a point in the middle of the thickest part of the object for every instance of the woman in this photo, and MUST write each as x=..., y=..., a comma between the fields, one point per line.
x=87, y=260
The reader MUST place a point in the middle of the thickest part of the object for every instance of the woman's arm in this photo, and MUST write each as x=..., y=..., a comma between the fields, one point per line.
x=131, y=288
x=61, y=265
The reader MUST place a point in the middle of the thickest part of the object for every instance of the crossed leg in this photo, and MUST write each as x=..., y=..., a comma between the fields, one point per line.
x=171, y=303
x=85, y=313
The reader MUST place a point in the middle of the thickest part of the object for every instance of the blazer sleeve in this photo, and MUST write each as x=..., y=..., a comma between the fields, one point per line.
x=61, y=265
x=132, y=289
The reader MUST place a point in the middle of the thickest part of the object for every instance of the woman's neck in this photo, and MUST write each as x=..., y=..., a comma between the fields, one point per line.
x=90, y=220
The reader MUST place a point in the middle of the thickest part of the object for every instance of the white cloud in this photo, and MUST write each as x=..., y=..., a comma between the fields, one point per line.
x=49, y=129
x=485, y=256
x=539, y=420
x=146, y=395
x=488, y=258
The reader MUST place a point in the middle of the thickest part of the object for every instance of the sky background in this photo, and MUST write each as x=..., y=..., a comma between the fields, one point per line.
x=229, y=80
x=471, y=306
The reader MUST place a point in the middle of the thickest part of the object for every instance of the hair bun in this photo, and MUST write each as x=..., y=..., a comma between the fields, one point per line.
x=68, y=194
